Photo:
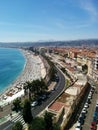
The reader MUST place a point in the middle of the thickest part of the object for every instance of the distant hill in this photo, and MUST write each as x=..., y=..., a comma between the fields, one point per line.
x=91, y=42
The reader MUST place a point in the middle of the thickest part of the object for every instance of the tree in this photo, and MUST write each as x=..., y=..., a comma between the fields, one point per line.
x=17, y=126
x=37, y=124
x=27, y=89
x=43, y=86
x=48, y=121
x=56, y=127
x=16, y=104
x=38, y=87
x=27, y=114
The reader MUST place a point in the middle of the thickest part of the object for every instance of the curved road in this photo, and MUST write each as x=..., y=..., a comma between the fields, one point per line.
x=35, y=111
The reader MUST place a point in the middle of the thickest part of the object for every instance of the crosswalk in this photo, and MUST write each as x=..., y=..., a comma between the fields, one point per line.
x=19, y=118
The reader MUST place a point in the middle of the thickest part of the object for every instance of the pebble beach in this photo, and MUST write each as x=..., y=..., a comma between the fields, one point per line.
x=33, y=69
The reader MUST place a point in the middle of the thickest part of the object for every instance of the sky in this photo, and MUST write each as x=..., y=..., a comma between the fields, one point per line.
x=43, y=20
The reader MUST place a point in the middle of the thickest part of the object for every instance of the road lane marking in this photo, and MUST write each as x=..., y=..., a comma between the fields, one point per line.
x=7, y=127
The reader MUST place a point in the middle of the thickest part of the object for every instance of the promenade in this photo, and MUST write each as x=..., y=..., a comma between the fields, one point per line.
x=34, y=69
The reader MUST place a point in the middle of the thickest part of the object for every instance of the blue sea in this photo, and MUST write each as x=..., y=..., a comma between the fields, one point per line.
x=12, y=64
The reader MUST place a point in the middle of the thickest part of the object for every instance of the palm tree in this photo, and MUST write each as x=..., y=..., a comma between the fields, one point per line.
x=43, y=86
x=17, y=104
x=35, y=88
x=38, y=86
x=27, y=89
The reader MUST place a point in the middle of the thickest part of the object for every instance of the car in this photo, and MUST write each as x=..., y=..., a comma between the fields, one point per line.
x=96, y=109
x=43, y=97
x=88, y=101
x=86, y=106
x=34, y=103
x=82, y=116
x=93, y=123
x=97, y=102
x=91, y=93
x=84, y=111
x=93, y=87
x=94, y=119
x=95, y=114
x=81, y=121
x=89, y=97
x=96, y=105
x=78, y=126
x=93, y=127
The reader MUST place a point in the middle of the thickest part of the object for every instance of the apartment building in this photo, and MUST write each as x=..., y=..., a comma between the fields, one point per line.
x=66, y=104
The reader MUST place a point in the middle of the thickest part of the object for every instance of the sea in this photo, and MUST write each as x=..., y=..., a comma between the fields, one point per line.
x=12, y=63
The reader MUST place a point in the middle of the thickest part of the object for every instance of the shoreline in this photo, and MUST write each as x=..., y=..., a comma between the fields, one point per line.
x=33, y=69
x=20, y=74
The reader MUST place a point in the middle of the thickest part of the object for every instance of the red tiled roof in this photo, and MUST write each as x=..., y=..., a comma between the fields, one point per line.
x=56, y=106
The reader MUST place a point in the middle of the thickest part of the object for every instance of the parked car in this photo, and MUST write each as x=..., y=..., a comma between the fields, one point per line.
x=95, y=114
x=94, y=119
x=96, y=105
x=96, y=109
x=84, y=111
x=82, y=116
x=81, y=121
x=93, y=123
x=86, y=106
x=35, y=103
x=93, y=127
x=97, y=102
x=90, y=95
x=78, y=126
x=88, y=101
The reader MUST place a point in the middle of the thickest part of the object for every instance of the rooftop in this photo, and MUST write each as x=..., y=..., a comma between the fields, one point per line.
x=66, y=98
x=73, y=91
x=56, y=106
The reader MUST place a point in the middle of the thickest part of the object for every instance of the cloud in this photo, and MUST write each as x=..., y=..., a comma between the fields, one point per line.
x=89, y=7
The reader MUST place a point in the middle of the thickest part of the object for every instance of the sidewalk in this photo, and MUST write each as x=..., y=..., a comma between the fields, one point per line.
x=8, y=117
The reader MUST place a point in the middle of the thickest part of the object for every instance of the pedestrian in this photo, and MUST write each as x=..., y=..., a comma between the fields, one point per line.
x=11, y=115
